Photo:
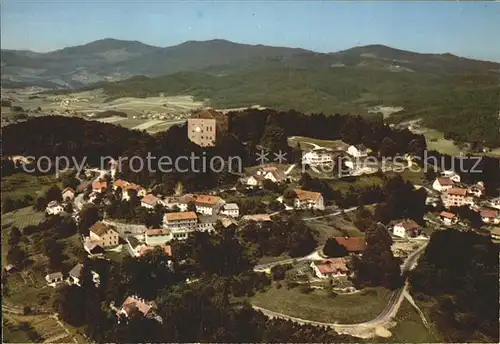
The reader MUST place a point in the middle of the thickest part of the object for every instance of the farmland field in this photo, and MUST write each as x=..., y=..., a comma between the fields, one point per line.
x=22, y=217
x=317, y=306
x=20, y=184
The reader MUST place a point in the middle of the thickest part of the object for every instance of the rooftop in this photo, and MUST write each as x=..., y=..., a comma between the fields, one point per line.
x=157, y=231
x=409, y=224
x=447, y=214
x=99, y=228
x=457, y=191
x=150, y=199
x=352, y=244
x=305, y=195
x=188, y=215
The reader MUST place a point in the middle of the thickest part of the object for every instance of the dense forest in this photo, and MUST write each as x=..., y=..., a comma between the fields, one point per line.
x=249, y=131
x=459, y=273
x=464, y=106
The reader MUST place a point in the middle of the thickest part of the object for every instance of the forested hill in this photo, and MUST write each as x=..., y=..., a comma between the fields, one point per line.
x=459, y=272
x=463, y=106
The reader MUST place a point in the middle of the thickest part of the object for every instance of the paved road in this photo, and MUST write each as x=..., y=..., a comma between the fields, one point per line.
x=329, y=215
x=387, y=314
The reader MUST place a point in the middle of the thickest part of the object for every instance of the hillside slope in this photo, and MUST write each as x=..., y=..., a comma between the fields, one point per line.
x=112, y=60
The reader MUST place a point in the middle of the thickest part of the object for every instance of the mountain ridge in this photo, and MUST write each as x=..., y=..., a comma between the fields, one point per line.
x=111, y=59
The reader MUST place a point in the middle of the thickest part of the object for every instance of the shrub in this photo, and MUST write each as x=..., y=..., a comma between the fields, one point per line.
x=278, y=285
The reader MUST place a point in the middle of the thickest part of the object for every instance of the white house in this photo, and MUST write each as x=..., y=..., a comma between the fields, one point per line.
x=206, y=223
x=495, y=233
x=150, y=201
x=207, y=204
x=477, y=189
x=254, y=181
x=407, y=228
x=157, y=237
x=230, y=209
x=318, y=156
x=457, y=197
x=331, y=267
x=68, y=194
x=272, y=173
x=54, y=279
x=103, y=235
x=308, y=200
x=452, y=175
x=495, y=203
x=136, y=305
x=75, y=276
x=54, y=208
x=181, y=224
x=357, y=151
x=448, y=218
x=490, y=216
x=442, y=183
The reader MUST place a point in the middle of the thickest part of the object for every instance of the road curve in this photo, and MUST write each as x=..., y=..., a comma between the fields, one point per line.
x=387, y=314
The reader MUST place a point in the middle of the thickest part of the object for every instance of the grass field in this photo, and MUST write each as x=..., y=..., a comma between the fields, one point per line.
x=20, y=184
x=436, y=141
x=334, y=227
x=409, y=328
x=361, y=182
x=417, y=178
x=37, y=329
x=318, y=306
x=23, y=217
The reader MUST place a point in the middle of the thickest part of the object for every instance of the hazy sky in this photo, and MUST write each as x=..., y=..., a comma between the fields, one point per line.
x=470, y=29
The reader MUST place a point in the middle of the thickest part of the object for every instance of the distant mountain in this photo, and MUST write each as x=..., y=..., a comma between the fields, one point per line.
x=403, y=58
x=113, y=60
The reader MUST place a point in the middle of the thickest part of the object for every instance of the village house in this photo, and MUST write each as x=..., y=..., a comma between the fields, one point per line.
x=208, y=205
x=331, y=267
x=94, y=249
x=54, y=279
x=54, y=208
x=442, y=184
x=495, y=233
x=134, y=305
x=126, y=186
x=181, y=224
x=357, y=151
x=318, y=156
x=150, y=201
x=206, y=223
x=495, y=203
x=406, y=229
x=75, y=276
x=144, y=249
x=68, y=194
x=457, y=197
x=255, y=181
x=354, y=245
x=490, y=216
x=452, y=175
x=308, y=200
x=103, y=235
x=99, y=186
x=157, y=236
x=230, y=209
x=228, y=222
x=477, y=189
x=448, y=218
x=270, y=172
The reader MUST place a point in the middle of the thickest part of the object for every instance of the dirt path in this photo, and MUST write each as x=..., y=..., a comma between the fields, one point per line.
x=408, y=296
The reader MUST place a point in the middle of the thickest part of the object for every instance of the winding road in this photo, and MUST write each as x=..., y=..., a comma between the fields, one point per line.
x=383, y=318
